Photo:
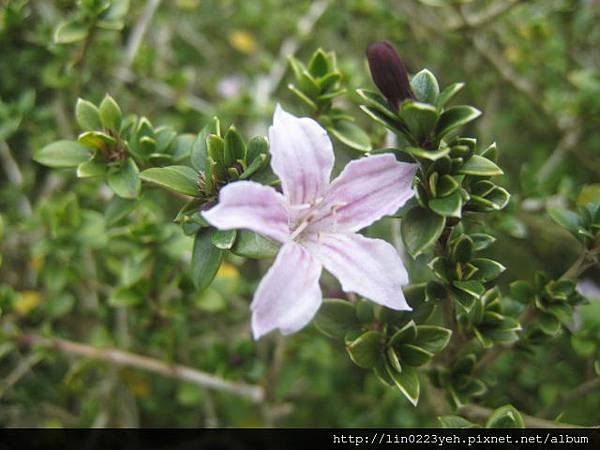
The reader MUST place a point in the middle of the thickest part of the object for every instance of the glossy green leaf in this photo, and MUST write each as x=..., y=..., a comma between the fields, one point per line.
x=413, y=355
x=253, y=245
x=425, y=87
x=407, y=381
x=419, y=117
x=366, y=349
x=62, y=154
x=480, y=166
x=420, y=229
x=456, y=422
x=234, y=148
x=199, y=149
x=181, y=179
x=125, y=182
x=505, y=417
x=406, y=334
x=87, y=115
x=432, y=338
x=206, y=259
x=351, y=135
x=92, y=168
x=565, y=218
x=454, y=118
x=224, y=239
x=431, y=155
x=450, y=206
x=448, y=93
x=336, y=318
x=110, y=113
x=487, y=269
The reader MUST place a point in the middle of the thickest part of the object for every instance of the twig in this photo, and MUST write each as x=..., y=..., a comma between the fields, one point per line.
x=21, y=370
x=137, y=35
x=484, y=17
x=480, y=413
x=126, y=359
x=567, y=397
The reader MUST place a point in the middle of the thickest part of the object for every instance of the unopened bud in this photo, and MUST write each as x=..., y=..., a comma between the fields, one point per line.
x=389, y=73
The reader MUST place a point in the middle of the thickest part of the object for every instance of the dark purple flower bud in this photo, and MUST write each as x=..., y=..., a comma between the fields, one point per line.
x=388, y=72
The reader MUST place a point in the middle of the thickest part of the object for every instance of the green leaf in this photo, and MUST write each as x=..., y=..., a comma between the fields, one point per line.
x=488, y=269
x=432, y=338
x=456, y=422
x=62, y=154
x=425, y=87
x=253, y=245
x=431, y=155
x=407, y=381
x=110, y=113
x=181, y=179
x=446, y=185
x=450, y=206
x=420, y=230
x=449, y=92
x=257, y=146
x=462, y=249
x=199, y=151
x=92, y=168
x=378, y=103
x=413, y=355
x=117, y=209
x=549, y=324
x=505, y=417
x=565, y=218
x=419, y=117
x=302, y=96
x=454, y=118
x=224, y=239
x=392, y=124
x=318, y=66
x=96, y=140
x=366, y=350
x=407, y=333
x=480, y=166
x=206, y=259
x=473, y=288
x=69, y=32
x=336, y=318
x=87, y=115
x=235, y=148
x=351, y=135
x=125, y=182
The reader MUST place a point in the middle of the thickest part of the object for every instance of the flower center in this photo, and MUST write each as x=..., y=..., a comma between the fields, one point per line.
x=302, y=216
x=312, y=213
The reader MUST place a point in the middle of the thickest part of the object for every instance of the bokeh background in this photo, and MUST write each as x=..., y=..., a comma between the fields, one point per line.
x=532, y=66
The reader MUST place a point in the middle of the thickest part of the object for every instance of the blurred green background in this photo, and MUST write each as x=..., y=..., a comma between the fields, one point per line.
x=71, y=270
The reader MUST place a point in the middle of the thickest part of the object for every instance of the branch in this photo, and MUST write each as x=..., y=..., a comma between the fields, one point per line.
x=136, y=36
x=567, y=397
x=480, y=413
x=485, y=17
x=126, y=359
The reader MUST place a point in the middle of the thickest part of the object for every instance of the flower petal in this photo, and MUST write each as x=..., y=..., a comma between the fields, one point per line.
x=289, y=294
x=301, y=156
x=252, y=206
x=366, y=190
x=370, y=267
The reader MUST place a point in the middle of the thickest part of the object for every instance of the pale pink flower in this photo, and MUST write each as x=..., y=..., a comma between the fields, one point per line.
x=317, y=222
